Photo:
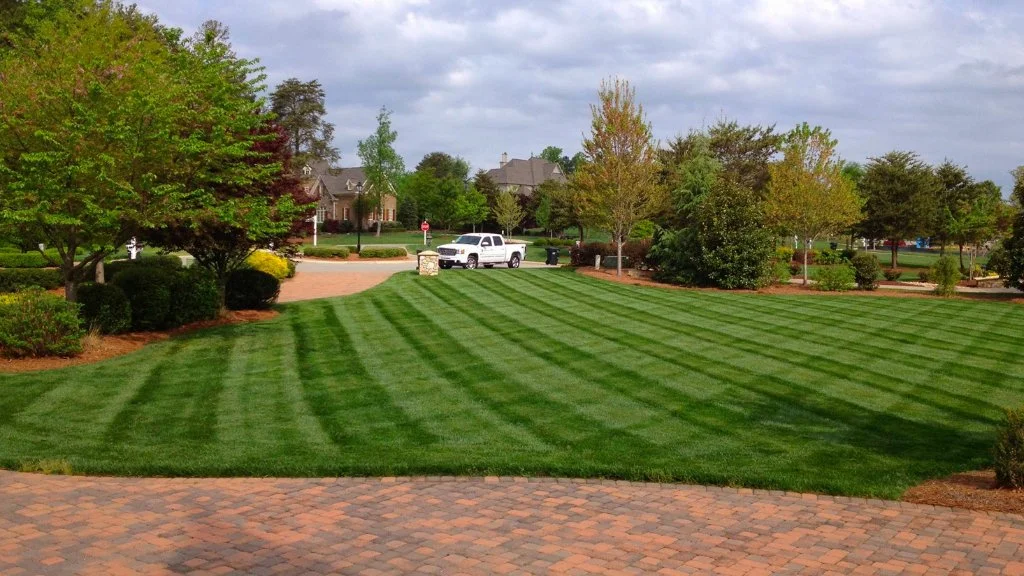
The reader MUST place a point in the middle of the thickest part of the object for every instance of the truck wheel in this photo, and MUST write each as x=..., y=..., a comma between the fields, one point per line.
x=514, y=262
x=445, y=265
x=471, y=263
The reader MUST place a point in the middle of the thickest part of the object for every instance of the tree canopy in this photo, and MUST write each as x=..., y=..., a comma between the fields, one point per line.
x=901, y=195
x=300, y=109
x=381, y=163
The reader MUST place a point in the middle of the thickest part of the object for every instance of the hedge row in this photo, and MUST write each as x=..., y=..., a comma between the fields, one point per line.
x=24, y=260
x=544, y=242
x=17, y=279
x=326, y=252
x=383, y=253
x=165, y=262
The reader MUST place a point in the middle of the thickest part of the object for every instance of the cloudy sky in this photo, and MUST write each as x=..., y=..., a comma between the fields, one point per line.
x=478, y=78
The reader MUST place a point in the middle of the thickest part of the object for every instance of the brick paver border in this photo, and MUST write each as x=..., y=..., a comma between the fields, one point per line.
x=450, y=525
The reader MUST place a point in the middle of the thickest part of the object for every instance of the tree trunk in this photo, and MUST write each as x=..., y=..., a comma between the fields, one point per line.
x=961, y=256
x=582, y=239
x=100, y=276
x=618, y=261
x=805, y=264
x=378, y=228
x=894, y=247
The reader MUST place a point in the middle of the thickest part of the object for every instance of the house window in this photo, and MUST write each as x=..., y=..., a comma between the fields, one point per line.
x=344, y=212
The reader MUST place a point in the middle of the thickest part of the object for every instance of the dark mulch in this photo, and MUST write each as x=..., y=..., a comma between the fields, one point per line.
x=971, y=490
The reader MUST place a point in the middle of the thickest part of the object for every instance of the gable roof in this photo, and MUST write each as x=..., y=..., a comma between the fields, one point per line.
x=337, y=181
x=530, y=173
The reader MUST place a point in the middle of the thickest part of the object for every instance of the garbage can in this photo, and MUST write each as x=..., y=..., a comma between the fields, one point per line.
x=833, y=245
x=552, y=256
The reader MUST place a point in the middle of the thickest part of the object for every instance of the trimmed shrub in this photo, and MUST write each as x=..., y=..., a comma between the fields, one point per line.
x=892, y=274
x=783, y=253
x=584, y=254
x=267, y=261
x=866, y=269
x=34, y=323
x=148, y=289
x=829, y=257
x=325, y=252
x=249, y=289
x=812, y=256
x=924, y=276
x=998, y=261
x=383, y=253
x=195, y=296
x=15, y=279
x=104, y=307
x=834, y=278
x=24, y=260
x=643, y=230
x=1009, y=450
x=946, y=275
x=795, y=268
x=847, y=254
x=292, y=267
x=162, y=261
x=331, y=227
x=780, y=273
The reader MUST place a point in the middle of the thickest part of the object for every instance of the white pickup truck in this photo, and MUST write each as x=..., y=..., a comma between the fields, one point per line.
x=474, y=250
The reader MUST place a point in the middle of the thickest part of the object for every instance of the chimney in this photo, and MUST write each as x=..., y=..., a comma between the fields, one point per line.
x=504, y=159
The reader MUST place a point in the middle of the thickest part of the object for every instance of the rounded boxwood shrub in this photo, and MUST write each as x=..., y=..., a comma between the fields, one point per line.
x=267, y=261
x=249, y=289
x=834, y=278
x=865, y=270
x=195, y=297
x=104, y=307
x=148, y=289
x=24, y=260
x=34, y=323
x=924, y=276
x=892, y=274
x=1009, y=450
x=163, y=261
x=15, y=279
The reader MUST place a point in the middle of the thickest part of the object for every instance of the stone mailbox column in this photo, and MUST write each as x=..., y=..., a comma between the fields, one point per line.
x=427, y=263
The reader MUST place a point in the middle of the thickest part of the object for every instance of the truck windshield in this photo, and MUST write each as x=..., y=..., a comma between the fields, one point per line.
x=474, y=240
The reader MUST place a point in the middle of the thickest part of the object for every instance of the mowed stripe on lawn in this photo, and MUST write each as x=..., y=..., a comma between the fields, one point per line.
x=547, y=372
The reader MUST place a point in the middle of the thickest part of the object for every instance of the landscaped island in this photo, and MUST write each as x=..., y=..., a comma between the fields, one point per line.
x=552, y=373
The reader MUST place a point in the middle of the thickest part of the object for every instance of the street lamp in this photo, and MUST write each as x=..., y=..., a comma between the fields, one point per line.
x=359, y=218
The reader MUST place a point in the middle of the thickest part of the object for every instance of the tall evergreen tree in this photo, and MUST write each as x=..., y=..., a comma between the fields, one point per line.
x=901, y=195
x=300, y=108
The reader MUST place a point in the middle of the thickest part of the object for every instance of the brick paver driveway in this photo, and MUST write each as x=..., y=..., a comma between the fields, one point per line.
x=55, y=525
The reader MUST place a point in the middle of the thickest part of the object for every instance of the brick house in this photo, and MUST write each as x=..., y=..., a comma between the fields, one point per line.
x=337, y=189
x=524, y=174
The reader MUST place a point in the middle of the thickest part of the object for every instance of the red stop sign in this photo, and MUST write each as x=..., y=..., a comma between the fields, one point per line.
x=425, y=226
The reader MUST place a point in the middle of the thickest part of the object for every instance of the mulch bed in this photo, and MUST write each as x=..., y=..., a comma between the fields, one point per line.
x=971, y=490
x=353, y=258
x=98, y=348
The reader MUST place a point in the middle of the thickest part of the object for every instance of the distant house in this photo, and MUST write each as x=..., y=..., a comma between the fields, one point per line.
x=337, y=189
x=526, y=175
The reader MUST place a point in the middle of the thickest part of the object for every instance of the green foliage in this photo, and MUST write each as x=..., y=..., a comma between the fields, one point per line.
x=829, y=257
x=251, y=290
x=382, y=165
x=507, y=211
x=901, y=198
x=1009, y=450
x=34, y=323
x=836, y=278
x=729, y=246
x=924, y=276
x=812, y=256
x=946, y=275
x=892, y=274
x=780, y=272
x=783, y=253
x=695, y=176
x=104, y=307
x=26, y=260
x=371, y=252
x=15, y=279
x=339, y=252
x=149, y=294
x=643, y=230
x=866, y=269
x=163, y=261
x=266, y=261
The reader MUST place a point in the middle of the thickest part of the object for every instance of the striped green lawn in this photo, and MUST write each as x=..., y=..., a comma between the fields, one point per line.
x=543, y=372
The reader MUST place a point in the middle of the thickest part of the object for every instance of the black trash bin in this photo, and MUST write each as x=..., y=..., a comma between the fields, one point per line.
x=552, y=256
x=833, y=245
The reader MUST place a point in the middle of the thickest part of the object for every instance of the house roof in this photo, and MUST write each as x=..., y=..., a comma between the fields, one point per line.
x=337, y=181
x=531, y=173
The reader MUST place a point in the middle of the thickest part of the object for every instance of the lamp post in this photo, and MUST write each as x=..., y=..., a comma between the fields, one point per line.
x=359, y=218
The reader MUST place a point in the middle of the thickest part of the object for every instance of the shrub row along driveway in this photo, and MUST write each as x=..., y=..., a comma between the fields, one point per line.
x=532, y=372
x=158, y=526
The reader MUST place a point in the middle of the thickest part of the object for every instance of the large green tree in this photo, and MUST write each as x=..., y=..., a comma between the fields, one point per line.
x=106, y=129
x=901, y=195
x=621, y=176
x=301, y=110
x=442, y=165
x=1012, y=262
x=508, y=212
x=953, y=201
x=381, y=163
x=808, y=195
